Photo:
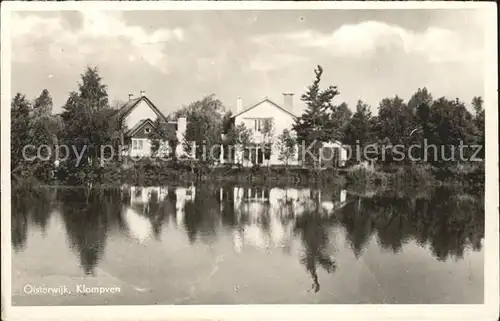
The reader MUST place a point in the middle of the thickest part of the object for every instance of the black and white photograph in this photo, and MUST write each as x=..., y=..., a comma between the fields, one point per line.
x=280, y=154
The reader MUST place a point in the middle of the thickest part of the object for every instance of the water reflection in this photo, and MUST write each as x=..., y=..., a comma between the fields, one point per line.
x=447, y=222
x=254, y=218
x=33, y=205
x=88, y=214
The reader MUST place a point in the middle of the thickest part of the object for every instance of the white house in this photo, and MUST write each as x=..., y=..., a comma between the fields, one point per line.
x=257, y=118
x=137, y=118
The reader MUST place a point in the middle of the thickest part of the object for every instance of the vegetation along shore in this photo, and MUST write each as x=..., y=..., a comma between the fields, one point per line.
x=85, y=121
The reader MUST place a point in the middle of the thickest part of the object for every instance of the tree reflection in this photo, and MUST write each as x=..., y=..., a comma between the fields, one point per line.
x=159, y=208
x=87, y=215
x=358, y=227
x=155, y=212
x=313, y=229
x=29, y=205
x=444, y=219
x=42, y=206
x=19, y=223
x=202, y=214
x=228, y=207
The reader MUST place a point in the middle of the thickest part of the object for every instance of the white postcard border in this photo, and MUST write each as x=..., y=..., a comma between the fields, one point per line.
x=486, y=311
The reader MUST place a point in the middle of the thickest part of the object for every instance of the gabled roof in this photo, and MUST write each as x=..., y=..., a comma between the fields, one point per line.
x=130, y=105
x=139, y=126
x=164, y=126
x=260, y=102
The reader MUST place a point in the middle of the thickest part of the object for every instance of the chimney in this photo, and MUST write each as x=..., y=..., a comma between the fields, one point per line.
x=181, y=126
x=239, y=104
x=130, y=96
x=288, y=101
x=143, y=93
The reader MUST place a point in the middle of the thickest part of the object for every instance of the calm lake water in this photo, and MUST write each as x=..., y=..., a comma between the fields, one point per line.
x=246, y=245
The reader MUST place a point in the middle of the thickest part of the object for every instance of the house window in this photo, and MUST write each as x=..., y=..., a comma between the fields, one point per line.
x=256, y=193
x=267, y=152
x=147, y=130
x=246, y=154
x=259, y=124
x=137, y=144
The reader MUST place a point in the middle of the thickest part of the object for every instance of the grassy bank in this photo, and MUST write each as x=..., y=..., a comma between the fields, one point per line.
x=392, y=177
x=398, y=177
x=157, y=174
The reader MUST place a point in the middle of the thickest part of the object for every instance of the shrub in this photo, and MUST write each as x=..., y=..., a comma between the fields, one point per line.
x=414, y=175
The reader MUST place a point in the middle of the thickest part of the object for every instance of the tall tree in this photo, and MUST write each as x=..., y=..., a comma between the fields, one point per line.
x=394, y=119
x=286, y=144
x=237, y=142
x=45, y=125
x=92, y=91
x=342, y=115
x=479, y=122
x=358, y=130
x=421, y=96
x=451, y=124
x=88, y=124
x=20, y=132
x=316, y=125
x=43, y=104
x=204, y=124
x=395, y=122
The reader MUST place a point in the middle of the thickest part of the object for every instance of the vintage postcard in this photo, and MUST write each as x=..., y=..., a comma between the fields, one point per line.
x=249, y=160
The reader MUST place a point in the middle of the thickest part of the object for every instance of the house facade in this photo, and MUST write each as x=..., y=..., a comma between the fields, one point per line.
x=137, y=119
x=266, y=120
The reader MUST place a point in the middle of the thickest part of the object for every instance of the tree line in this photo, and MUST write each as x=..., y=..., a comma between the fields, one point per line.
x=86, y=123
x=441, y=122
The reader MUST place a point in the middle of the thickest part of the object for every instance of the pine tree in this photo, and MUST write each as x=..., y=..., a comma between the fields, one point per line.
x=88, y=124
x=43, y=104
x=317, y=124
x=91, y=90
x=20, y=131
x=358, y=129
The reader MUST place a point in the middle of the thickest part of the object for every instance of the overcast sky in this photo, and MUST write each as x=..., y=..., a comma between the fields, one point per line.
x=179, y=57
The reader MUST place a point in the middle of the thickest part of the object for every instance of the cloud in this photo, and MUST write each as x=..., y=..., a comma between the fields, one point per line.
x=101, y=33
x=365, y=39
x=272, y=61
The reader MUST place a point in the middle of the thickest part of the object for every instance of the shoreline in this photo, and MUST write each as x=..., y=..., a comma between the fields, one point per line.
x=391, y=178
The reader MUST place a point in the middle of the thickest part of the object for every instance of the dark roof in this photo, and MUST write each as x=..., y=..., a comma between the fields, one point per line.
x=139, y=125
x=171, y=125
x=260, y=102
x=164, y=126
x=130, y=105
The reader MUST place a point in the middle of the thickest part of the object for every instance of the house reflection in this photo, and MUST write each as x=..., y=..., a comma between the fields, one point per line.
x=265, y=218
x=145, y=209
x=271, y=218
x=136, y=209
x=298, y=221
x=183, y=195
